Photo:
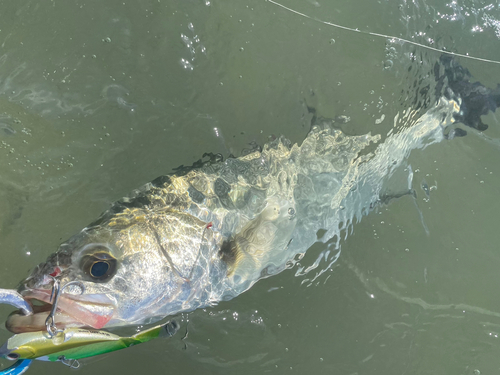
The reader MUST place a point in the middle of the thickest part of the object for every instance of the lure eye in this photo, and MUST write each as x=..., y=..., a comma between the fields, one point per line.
x=12, y=356
x=98, y=266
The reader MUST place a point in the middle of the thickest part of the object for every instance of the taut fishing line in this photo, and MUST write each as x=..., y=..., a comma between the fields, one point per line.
x=381, y=35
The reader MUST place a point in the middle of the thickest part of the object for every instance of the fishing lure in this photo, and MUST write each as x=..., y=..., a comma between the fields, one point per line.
x=18, y=368
x=12, y=297
x=71, y=344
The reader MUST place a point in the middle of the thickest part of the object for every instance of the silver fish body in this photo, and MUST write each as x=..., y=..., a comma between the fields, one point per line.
x=187, y=241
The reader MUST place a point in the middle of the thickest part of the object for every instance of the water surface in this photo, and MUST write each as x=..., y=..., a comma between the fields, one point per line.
x=96, y=98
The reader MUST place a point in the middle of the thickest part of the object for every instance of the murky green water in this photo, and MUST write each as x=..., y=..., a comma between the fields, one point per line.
x=97, y=98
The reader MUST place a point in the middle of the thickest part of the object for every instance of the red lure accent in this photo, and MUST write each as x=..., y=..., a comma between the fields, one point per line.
x=209, y=225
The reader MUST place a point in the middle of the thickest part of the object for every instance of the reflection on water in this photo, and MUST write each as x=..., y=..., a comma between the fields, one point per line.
x=96, y=99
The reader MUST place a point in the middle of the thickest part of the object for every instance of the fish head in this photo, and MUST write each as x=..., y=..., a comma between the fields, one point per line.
x=125, y=269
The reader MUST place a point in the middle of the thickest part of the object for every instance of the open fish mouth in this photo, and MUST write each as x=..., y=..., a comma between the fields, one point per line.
x=90, y=310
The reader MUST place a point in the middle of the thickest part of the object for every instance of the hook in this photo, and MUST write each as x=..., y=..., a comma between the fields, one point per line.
x=71, y=363
x=57, y=290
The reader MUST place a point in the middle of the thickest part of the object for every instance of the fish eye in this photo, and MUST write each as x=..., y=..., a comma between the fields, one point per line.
x=99, y=266
x=99, y=269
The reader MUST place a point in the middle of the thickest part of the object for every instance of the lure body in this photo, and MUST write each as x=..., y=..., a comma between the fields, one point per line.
x=76, y=343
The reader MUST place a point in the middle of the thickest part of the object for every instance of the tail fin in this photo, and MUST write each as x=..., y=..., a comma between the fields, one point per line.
x=477, y=99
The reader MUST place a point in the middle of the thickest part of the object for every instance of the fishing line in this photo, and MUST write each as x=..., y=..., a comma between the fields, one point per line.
x=381, y=35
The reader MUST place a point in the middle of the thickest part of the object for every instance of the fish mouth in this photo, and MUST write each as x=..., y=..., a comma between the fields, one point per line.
x=89, y=310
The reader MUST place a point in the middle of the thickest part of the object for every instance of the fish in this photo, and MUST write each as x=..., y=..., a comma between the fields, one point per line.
x=208, y=233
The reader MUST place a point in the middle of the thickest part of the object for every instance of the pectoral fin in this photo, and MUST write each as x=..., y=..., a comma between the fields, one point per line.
x=249, y=251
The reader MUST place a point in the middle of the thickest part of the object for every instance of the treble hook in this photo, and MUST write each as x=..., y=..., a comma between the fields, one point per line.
x=57, y=289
